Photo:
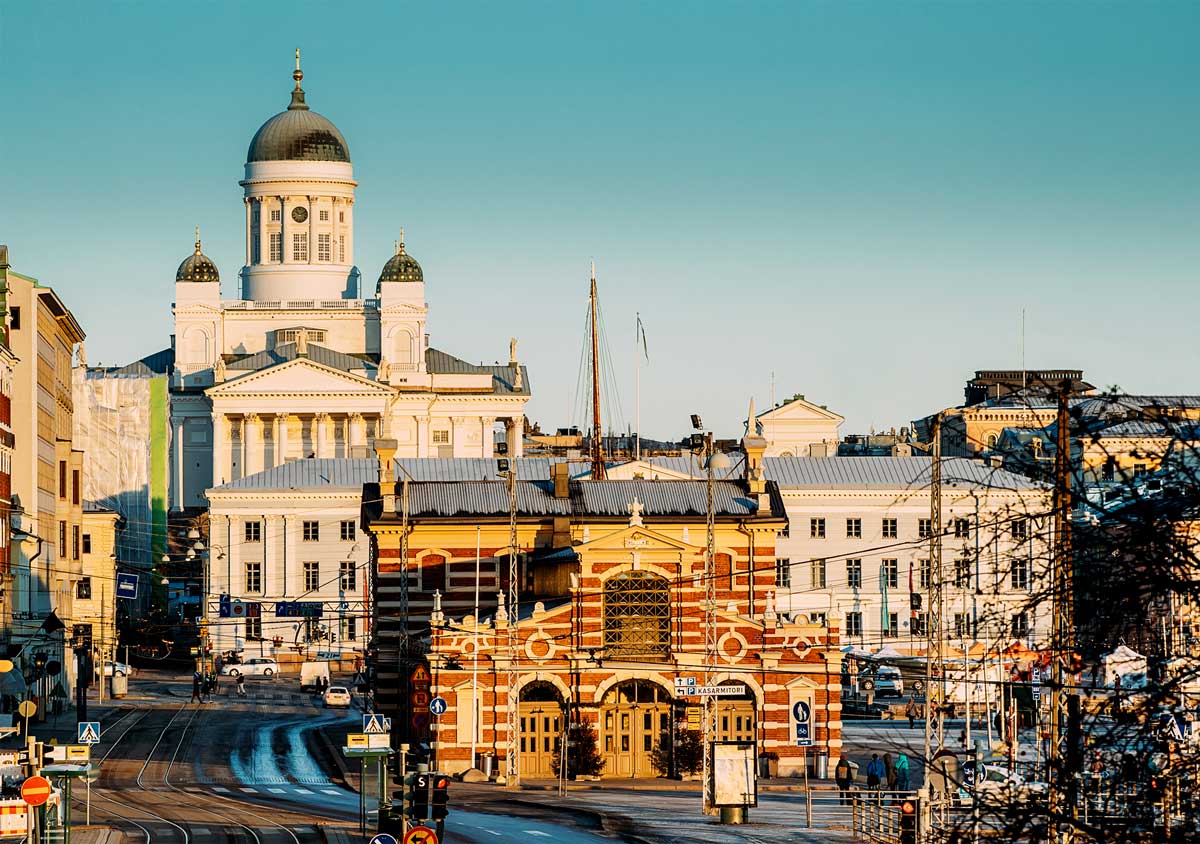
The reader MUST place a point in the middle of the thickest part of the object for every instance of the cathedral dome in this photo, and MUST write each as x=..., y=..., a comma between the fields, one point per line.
x=401, y=267
x=298, y=134
x=197, y=266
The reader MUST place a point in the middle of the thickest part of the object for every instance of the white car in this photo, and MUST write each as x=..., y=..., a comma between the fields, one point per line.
x=996, y=784
x=337, y=696
x=255, y=666
x=118, y=668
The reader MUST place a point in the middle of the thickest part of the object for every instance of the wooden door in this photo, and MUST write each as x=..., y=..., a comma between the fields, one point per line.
x=735, y=720
x=541, y=726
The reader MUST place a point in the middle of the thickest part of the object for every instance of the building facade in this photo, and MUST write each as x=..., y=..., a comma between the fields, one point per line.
x=288, y=564
x=610, y=613
x=307, y=360
x=47, y=471
x=96, y=608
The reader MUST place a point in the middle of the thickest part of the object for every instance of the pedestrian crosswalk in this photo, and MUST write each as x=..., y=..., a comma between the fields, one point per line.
x=281, y=790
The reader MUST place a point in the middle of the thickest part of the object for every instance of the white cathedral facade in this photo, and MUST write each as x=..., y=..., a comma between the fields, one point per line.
x=305, y=363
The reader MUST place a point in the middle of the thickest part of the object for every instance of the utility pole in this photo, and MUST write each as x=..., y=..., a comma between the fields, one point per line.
x=935, y=664
x=710, y=625
x=1063, y=710
x=513, y=767
x=597, y=431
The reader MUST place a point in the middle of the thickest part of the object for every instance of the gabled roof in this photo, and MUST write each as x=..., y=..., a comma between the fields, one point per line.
x=503, y=376
x=287, y=351
x=790, y=408
x=159, y=363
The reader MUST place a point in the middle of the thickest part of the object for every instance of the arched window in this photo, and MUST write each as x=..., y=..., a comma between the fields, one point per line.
x=637, y=615
x=992, y=439
x=402, y=349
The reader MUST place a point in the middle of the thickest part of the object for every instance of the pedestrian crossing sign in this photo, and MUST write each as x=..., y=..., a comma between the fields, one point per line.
x=375, y=724
x=89, y=732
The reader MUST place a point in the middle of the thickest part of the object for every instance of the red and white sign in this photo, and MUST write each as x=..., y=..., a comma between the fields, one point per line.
x=14, y=817
x=420, y=835
x=35, y=791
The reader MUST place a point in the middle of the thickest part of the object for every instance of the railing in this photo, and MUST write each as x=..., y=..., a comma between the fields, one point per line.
x=875, y=815
x=301, y=305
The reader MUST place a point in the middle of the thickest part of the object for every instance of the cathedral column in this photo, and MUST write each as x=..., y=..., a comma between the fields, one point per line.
x=486, y=426
x=515, y=436
x=281, y=438
x=422, y=436
x=322, y=443
x=312, y=232
x=358, y=432
x=249, y=222
x=284, y=254
x=264, y=238
x=349, y=232
x=458, y=436
x=220, y=449
x=252, y=438
x=177, y=448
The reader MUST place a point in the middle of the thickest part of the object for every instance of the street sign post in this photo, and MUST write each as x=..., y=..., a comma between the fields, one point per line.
x=384, y=838
x=374, y=723
x=127, y=585
x=802, y=718
x=35, y=791
x=710, y=691
x=89, y=732
x=420, y=835
x=438, y=706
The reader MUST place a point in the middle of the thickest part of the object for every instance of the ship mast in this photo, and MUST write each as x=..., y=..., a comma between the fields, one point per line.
x=597, y=431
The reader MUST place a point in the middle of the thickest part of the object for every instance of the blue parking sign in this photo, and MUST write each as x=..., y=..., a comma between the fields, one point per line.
x=127, y=585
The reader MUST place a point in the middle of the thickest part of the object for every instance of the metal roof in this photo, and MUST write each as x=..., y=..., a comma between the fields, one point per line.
x=287, y=351
x=481, y=468
x=886, y=473
x=330, y=473
x=587, y=498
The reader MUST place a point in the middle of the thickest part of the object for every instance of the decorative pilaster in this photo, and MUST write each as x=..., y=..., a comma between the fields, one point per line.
x=322, y=444
x=458, y=439
x=249, y=223
x=358, y=432
x=281, y=438
x=487, y=425
x=284, y=252
x=312, y=231
x=252, y=441
x=422, y=436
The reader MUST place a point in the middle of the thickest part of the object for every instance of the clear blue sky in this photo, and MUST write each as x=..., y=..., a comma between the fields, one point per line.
x=858, y=197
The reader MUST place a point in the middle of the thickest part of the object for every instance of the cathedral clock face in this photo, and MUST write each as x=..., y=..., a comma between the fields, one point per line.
x=299, y=214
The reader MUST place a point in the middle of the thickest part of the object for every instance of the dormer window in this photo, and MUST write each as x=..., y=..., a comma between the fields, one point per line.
x=292, y=335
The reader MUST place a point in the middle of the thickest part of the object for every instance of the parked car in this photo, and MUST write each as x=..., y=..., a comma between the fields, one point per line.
x=996, y=784
x=118, y=668
x=888, y=682
x=255, y=666
x=337, y=696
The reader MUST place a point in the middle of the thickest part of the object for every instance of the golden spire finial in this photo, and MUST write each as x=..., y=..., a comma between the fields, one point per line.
x=401, y=249
x=197, y=240
x=298, y=74
x=396, y=246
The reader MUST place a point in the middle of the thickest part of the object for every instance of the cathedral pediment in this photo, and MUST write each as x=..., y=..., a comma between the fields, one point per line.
x=633, y=538
x=302, y=376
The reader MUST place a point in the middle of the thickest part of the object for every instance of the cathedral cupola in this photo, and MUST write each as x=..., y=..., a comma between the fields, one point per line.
x=401, y=266
x=197, y=266
x=298, y=134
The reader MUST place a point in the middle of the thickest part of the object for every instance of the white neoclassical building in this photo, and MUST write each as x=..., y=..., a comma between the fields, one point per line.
x=305, y=363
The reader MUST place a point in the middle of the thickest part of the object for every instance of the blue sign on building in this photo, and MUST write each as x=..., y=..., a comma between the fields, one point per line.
x=299, y=609
x=127, y=585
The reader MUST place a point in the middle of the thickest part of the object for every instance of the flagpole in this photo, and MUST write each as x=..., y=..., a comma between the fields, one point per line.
x=637, y=354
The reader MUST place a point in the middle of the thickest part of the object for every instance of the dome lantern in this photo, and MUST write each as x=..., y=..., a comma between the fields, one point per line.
x=401, y=266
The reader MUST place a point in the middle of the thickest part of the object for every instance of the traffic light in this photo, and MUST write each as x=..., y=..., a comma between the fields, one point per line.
x=910, y=812
x=415, y=797
x=440, y=797
x=914, y=600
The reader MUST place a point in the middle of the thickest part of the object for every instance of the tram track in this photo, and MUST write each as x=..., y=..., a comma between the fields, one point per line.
x=142, y=817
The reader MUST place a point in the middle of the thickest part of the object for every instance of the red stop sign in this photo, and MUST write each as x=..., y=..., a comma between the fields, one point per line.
x=35, y=791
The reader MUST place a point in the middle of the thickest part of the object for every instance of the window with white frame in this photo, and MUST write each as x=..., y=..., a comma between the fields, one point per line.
x=324, y=215
x=254, y=628
x=252, y=531
x=311, y=531
x=816, y=528
x=854, y=573
x=276, y=247
x=890, y=528
x=1020, y=625
x=891, y=627
x=818, y=574
x=962, y=528
x=299, y=246
x=1020, y=529
x=254, y=577
x=347, y=526
x=349, y=629
x=962, y=571
x=924, y=528
x=854, y=624
x=919, y=620
x=441, y=438
x=923, y=574
x=783, y=572
x=312, y=575
x=341, y=216
x=854, y=528
x=341, y=249
x=276, y=215
x=1019, y=570
x=348, y=576
x=962, y=625
x=324, y=252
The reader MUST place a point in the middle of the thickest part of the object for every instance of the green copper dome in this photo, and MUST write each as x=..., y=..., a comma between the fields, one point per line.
x=298, y=134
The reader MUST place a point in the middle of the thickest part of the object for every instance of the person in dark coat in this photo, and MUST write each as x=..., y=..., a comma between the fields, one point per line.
x=875, y=772
x=843, y=775
x=889, y=772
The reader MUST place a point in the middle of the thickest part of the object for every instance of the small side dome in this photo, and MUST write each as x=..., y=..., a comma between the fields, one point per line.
x=197, y=266
x=401, y=266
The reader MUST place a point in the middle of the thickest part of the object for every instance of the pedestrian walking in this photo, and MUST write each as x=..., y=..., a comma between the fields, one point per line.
x=875, y=772
x=902, y=774
x=843, y=776
x=241, y=686
x=889, y=772
x=912, y=712
x=196, y=696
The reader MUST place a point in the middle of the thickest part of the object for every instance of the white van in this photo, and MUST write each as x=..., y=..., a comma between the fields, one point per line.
x=311, y=672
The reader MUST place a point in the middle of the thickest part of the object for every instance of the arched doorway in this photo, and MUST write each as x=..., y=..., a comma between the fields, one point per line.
x=541, y=727
x=633, y=716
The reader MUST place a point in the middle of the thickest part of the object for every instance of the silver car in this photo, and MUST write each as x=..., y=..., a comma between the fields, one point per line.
x=255, y=666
